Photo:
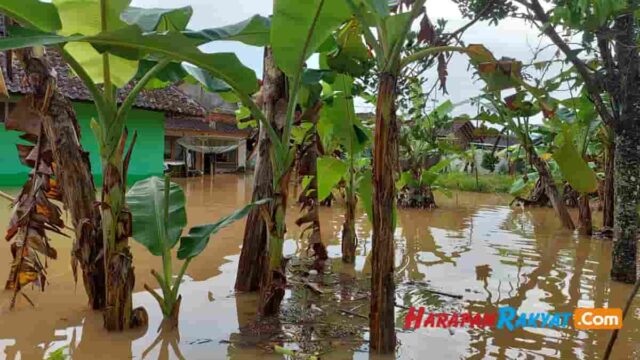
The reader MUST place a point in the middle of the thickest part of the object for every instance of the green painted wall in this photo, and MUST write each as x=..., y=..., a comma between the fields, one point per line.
x=147, y=158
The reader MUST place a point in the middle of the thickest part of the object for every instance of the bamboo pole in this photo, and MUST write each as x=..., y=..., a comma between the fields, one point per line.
x=7, y=196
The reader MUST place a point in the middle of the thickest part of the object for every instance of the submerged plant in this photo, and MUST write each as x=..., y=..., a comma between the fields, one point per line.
x=158, y=211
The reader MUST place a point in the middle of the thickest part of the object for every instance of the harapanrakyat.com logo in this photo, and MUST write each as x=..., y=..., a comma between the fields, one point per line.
x=509, y=318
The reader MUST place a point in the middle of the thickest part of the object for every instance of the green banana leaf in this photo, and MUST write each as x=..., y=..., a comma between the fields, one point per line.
x=192, y=244
x=130, y=42
x=298, y=28
x=330, y=172
x=85, y=17
x=33, y=13
x=158, y=19
x=519, y=185
x=365, y=193
x=253, y=31
x=146, y=201
x=572, y=166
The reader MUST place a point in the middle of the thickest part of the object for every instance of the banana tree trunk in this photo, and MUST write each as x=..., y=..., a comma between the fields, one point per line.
x=417, y=197
x=349, y=237
x=256, y=232
x=272, y=274
x=74, y=172
x=116, y=229
x=550, y=188
x=627, y=153
x=585, y=226
x=307, y=166
x=274, y=279
x=385, y=160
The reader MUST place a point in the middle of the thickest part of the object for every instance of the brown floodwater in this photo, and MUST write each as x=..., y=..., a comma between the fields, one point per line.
x=473, y=245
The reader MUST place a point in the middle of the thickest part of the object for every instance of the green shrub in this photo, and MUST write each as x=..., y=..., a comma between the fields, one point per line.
x=489, y=161
x=490, y=183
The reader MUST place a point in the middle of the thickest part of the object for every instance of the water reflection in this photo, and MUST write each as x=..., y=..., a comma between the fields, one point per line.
x=473, y=245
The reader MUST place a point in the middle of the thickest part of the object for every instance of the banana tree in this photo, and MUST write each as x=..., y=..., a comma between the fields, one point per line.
x=419, y=147
x=294, y=37
x=158, y=211
x=576, y=125
x=341, y=131
x=307, y=141
x=514, y=112
x=291, y=43
x=118, y=49
x=416, y=188
x=385, y=28
x=607, y=30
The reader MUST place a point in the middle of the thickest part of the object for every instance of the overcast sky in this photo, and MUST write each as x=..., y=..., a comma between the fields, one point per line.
x=511, y=38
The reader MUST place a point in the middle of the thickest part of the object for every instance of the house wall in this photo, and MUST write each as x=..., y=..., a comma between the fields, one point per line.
x=146, y=160
x=12, y=172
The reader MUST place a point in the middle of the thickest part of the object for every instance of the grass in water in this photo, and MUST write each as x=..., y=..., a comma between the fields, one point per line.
x=490, y=183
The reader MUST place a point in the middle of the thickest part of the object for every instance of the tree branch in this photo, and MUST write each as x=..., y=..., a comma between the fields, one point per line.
x=590, y=80
x=464, y=28
x=430, y=51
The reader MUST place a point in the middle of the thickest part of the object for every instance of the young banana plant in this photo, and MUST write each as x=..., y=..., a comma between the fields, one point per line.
x=159, y=216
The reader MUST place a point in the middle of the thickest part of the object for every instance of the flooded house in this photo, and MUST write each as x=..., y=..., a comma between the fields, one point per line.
x=173, y=129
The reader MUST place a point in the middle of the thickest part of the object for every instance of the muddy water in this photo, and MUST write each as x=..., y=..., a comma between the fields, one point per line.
x=473, y=245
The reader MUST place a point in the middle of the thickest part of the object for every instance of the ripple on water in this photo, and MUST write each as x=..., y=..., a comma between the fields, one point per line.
x=473, y=245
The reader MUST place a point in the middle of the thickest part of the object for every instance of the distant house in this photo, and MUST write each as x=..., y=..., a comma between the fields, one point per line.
x=225, y=143
x=500, y=142
x=216, y=144
x=460, y=134
x=159, y=116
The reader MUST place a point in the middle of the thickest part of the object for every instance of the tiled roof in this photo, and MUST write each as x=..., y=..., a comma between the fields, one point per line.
x=169, y=99
x=181, y=122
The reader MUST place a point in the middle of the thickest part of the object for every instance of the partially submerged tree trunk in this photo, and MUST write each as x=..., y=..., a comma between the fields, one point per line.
x=550, y=188
x=307, y=167
x=570, y=196
x=116, y=225
x=627, y=168
x=273, y=279
x=416, y=197
x=349, y=236
x=627, y=153
x=537, y=196
x=254, y=243
x=585, y=227
x=608, y=193
x=73, y=170
x=385, y=158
